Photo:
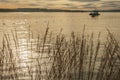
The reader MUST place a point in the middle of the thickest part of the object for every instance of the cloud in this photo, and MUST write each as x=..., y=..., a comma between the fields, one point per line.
x=33, y=4
x=67, y=4
x=103, y=5
x=4, y=1
x=111, y=4
x=110, y=0
x=85, y=0
x=89, y=6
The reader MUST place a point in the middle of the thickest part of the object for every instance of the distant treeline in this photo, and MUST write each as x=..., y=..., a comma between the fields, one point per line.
x=37, y=10
x=49, y=10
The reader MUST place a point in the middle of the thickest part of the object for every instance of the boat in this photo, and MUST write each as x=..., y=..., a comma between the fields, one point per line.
x=94, y=13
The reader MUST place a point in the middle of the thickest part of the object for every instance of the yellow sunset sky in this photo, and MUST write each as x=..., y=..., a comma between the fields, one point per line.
x=62, y=4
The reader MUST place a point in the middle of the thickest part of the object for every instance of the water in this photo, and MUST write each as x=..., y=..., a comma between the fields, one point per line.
x=27, y=24
x=67, y=21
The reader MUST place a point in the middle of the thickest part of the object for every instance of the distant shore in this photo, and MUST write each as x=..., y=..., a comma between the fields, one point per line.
x=49, y=10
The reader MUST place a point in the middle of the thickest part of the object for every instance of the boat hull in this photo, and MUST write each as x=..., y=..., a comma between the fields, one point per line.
x=93, y=15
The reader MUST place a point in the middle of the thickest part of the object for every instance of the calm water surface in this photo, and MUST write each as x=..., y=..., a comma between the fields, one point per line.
x=68, y=21
x=23, y=23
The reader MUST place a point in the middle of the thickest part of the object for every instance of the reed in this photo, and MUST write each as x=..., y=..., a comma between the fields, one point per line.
x=81, y=57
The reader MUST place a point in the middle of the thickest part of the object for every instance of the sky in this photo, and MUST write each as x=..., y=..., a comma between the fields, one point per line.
x=62, y=4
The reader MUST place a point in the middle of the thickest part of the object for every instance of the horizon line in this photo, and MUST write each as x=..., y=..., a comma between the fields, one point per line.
x=50, y=10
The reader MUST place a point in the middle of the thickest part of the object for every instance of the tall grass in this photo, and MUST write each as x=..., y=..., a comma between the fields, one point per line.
x=81, y=57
